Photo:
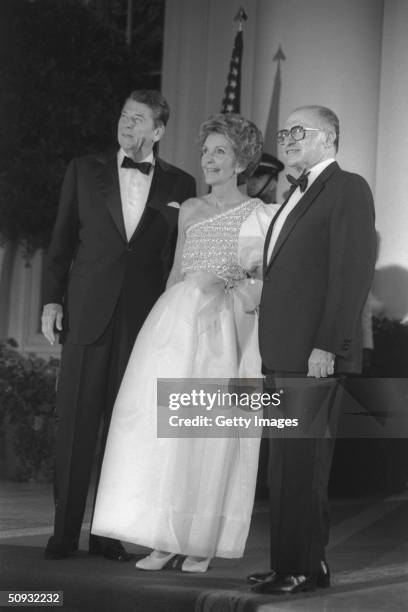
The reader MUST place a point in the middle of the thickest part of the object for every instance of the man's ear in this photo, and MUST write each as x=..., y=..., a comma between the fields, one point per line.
x=158, y=132
x=330, y=138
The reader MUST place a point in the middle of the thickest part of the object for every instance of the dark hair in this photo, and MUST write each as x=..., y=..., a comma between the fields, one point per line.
x=245, y=137
x=329, y=117
x=155, y=101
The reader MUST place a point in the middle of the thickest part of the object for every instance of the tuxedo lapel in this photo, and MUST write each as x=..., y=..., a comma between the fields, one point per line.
x=299, y=210
x=270, y=228
x=158, y=193
x=294, y=216
x=111, y=190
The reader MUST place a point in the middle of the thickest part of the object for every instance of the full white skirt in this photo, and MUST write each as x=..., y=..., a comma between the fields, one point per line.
x=192, y=496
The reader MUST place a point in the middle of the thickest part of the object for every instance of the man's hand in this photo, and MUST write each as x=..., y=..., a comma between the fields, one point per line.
x=51, y=318
x=321, y=364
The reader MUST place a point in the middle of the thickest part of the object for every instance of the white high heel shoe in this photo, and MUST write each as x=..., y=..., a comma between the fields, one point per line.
x=155, y=561
x=195, y=564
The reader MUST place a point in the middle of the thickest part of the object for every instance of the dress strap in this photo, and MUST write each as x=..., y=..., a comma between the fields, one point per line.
x=221, y=214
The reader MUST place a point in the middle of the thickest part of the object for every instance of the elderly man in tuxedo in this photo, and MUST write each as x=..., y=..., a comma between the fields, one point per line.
x=318, y=265
x=108, y=261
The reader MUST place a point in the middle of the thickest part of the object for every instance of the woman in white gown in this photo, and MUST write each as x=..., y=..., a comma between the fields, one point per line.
x=192, y=496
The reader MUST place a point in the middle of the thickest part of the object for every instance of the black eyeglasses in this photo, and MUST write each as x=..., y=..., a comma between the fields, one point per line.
x=297, y=132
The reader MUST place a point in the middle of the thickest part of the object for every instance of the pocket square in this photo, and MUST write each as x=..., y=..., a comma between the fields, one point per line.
x=173, y=204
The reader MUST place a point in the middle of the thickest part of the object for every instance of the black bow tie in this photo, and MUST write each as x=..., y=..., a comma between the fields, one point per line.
x=300, y=182
x=142, y=166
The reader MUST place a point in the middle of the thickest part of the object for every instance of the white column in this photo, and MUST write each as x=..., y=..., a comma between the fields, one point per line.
x=24, y=324
x=391, y=192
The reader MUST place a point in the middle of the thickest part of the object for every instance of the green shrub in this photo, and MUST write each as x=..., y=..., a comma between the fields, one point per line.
x=27, y=403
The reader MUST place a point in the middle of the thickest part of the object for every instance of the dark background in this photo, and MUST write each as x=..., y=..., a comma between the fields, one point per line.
x=66, y=67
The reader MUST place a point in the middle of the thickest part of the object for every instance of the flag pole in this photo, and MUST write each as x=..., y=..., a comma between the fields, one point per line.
x=241, y=17
x=272, y=124
x=231, y=102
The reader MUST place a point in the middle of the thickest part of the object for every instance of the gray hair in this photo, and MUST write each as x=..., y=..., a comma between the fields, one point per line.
x=330, y=119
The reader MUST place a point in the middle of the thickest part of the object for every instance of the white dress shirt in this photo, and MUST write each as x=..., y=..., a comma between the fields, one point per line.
x=134, y=190
x=293, y=200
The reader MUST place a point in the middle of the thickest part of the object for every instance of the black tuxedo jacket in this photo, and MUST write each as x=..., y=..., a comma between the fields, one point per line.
x=319, y=275
x=90, y=262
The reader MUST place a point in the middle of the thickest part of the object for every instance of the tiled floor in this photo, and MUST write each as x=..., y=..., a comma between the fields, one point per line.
x=368, y=553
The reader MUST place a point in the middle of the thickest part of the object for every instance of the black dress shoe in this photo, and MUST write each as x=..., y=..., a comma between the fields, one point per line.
x=117, y=553
x=260, y=577
x=108, y=548
x=322, y=580
x=60, y=549
x=283, y=584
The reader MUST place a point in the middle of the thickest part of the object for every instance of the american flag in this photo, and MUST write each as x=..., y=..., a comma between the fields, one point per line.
x=232, y=95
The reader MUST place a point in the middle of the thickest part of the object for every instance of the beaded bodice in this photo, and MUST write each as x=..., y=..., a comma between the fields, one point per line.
x=212, y=244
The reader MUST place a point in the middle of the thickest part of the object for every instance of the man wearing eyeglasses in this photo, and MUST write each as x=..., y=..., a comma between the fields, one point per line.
x=318, y=265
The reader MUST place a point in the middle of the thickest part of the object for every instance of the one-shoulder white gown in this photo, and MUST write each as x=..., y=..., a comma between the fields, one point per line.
x=188, y=495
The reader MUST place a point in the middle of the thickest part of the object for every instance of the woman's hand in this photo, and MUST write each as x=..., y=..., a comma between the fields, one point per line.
x=249, y=292
x=256, y=272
